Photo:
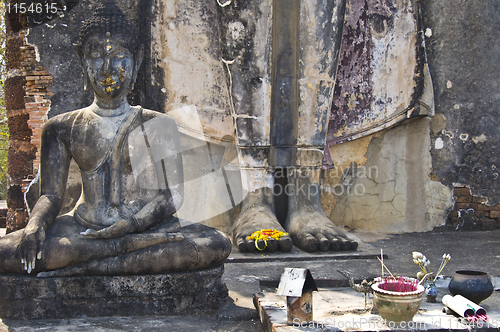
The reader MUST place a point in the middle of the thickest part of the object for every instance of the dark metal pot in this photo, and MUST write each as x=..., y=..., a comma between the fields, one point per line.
x=474, y=285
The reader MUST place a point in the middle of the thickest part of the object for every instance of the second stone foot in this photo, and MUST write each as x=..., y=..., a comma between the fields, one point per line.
x=311, y=230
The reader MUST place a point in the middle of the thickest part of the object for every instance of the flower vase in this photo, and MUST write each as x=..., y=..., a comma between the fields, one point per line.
x=431, y=292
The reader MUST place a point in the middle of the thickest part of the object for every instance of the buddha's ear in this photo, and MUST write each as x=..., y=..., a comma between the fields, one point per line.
x=138, y=57
x=78, y=49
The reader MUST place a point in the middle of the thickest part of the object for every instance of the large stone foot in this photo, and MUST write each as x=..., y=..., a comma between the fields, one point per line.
x=307, y=224
x=311, y=230
x=257, y=214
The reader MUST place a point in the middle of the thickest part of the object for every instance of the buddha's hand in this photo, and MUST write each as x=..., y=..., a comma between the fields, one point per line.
x=30, y=246
x=118, y=229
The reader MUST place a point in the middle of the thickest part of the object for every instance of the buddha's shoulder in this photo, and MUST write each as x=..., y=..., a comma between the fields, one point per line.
x=63, y=121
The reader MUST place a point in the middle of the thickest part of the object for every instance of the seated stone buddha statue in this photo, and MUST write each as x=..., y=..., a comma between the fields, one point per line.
x=132, y=180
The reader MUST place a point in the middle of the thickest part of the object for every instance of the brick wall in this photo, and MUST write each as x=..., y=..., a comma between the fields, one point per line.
x=472, y=213
x=36, y=100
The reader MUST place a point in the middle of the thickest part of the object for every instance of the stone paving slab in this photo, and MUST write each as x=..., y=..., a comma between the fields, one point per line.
x=342, y=309
x=134, y=324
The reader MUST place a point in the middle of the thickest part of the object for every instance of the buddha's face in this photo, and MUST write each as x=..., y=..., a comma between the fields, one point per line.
x=109, y=65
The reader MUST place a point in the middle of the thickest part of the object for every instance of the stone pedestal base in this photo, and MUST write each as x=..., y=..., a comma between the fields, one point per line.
x=27, y=297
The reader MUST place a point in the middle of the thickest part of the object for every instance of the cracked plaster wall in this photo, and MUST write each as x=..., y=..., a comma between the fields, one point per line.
x=390, y=188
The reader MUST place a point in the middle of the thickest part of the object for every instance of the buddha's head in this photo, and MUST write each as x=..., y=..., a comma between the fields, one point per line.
x=109, y=52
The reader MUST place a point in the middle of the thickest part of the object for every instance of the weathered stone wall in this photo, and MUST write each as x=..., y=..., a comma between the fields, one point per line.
x=381, y=179
x=464, y=58
x=462, y=143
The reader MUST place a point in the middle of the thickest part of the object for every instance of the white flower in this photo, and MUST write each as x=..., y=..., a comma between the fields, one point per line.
x=417, y=255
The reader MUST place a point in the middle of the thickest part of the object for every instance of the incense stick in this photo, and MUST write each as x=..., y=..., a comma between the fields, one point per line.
x=399, y=285
x=383, y=266
x=382, y=260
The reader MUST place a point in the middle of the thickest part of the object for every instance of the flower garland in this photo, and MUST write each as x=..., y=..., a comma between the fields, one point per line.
x=265, y=235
